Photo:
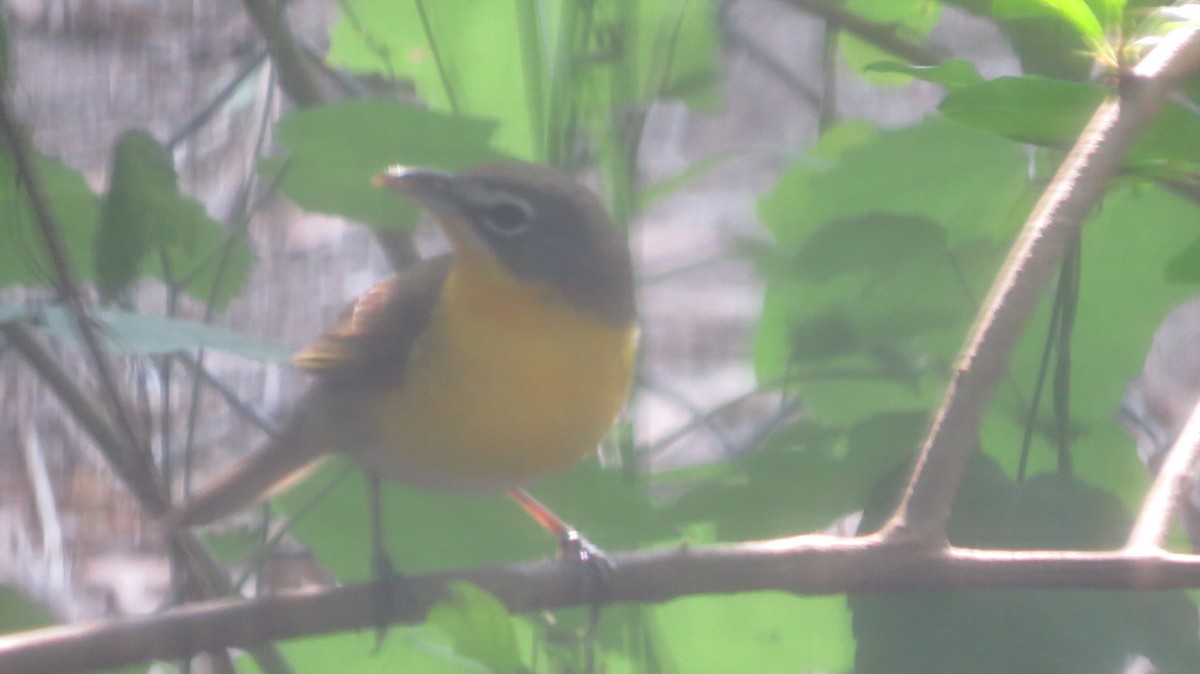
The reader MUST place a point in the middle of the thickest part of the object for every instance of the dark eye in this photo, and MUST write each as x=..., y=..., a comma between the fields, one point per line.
x=507, y=218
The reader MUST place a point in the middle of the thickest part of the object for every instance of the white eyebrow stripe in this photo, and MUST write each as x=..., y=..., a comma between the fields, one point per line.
x=486, y=197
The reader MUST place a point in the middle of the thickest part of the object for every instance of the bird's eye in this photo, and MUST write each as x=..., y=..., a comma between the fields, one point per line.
x=507, y=218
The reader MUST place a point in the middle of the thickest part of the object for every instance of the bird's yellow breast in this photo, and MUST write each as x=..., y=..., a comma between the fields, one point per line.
x=508, y=384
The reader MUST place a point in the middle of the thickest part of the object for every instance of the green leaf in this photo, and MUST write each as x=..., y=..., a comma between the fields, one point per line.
x=148, y=226
x=890, y=258
x=1052, y=113
x=766, y=632
x=1022, y=631
x=23, y=258
x=430, y=531
x=868, y=242
x=479, y=627
x=404, y=650
x=18, y=612
x=951, y=73
x=963, y=179
x=909, y=19
x=1125, y=295
x=544, y=77
x=1077, y=13
x=468, y=63
x=142, y=200
x=807, y=476
x=333, y=151
x=1029, y=109
x=883, y=338
x=133, y=334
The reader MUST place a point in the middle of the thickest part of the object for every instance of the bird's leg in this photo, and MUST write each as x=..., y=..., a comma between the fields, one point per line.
x=390, y=583
x=573, y=548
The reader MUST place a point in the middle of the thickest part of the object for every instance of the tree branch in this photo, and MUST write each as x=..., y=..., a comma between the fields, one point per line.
x=881, y=35
x=1037, y=253
x=809, y=565
x=295, y=76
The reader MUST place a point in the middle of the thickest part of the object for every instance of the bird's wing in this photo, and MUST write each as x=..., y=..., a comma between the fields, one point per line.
x=370, y=345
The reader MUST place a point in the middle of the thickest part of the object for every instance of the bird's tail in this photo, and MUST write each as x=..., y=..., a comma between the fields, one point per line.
x=291, y=454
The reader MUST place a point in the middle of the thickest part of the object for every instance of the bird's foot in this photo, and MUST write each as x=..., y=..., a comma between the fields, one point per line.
x=594, y=568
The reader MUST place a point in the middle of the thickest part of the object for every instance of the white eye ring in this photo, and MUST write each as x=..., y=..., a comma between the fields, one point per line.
x=507, y=217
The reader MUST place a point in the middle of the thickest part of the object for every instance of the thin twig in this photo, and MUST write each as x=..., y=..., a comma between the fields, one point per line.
x=201, y=118
x=1055, y=221
x=230, y=396
x=132, y=464
x=52, y=372
x=882, y=35
x=767, y=61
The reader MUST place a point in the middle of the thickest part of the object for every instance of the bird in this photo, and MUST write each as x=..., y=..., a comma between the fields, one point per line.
x=482, y=370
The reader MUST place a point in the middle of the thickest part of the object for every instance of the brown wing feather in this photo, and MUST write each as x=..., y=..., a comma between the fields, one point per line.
x=371, y=344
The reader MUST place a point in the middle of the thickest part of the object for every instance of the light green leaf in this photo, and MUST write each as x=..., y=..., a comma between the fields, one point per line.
x=479, y=627
x=1077, y=13
x=128, y=333
x=952, y=73
x=765, y=633
x=909, y=19
x=333, y=151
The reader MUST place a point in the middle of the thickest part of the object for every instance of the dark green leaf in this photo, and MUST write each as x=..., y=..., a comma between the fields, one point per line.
x=148, y=226
x=807, y=477
x=23, y=257
x=141, y=203
x=1022, y=631
x=870, y=241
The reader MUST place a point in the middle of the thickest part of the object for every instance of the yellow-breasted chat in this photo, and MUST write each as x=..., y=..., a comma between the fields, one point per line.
x=483, y=370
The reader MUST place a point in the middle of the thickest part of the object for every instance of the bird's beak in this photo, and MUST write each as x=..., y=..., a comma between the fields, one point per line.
x=427, y=187
x=437, y=192
x=433, y=190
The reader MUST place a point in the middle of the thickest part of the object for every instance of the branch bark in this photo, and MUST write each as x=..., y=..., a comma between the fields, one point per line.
x=810, y=565
x=296, y=78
